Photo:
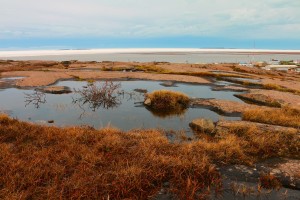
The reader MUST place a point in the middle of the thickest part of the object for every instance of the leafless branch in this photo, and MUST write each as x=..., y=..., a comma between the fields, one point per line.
x=36, y=99
x=98, y=95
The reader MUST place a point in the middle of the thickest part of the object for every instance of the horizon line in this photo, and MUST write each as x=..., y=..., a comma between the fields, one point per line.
x=45, y=52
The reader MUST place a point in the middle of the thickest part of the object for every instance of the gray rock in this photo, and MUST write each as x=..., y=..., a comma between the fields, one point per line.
x=140, y=90
x=168, y=84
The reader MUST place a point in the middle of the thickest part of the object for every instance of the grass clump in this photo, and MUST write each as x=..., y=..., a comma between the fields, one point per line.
x=285, y=116
x=269, y=181
x=167, y=101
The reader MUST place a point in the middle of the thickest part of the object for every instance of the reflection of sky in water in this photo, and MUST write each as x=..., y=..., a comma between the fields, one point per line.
x=126, y=116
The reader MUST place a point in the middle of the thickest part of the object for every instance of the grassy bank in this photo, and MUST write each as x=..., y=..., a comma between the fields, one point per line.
x=39, y=162
x=285, y=116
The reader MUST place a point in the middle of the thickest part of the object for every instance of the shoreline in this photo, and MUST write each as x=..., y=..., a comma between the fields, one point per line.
x=28, y=53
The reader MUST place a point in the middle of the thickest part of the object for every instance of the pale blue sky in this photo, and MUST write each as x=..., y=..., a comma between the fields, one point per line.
x=48, y=23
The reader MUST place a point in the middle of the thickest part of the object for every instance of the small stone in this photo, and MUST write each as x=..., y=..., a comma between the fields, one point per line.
x=168, y=84
x=140, y=90
x=147, y=102
x=51, y=121
x=56, y=90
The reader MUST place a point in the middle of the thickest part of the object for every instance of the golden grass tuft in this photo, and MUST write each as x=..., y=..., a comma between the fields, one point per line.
x=166, y=100
x=285, y=116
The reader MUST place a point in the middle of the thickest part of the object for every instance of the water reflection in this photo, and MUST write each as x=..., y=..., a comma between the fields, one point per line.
x=179, y=112
x=36, y=99
x=129, y=113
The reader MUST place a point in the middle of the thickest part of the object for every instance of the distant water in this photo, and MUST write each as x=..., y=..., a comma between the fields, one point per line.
x=185, y=57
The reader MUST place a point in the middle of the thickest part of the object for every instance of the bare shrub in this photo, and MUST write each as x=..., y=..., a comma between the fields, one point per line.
x=98, y=95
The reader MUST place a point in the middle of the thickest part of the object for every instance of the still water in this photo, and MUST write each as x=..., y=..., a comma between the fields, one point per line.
x=128, y=114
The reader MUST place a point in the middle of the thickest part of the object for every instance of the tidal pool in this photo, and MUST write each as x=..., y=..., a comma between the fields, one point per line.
x=128, y=114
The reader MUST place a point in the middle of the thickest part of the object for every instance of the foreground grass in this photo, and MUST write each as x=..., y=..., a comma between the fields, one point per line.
x=80, y=163
x=38, y=162
x=285, y=116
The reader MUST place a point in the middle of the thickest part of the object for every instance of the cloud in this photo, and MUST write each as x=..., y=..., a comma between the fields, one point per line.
x=156, y=18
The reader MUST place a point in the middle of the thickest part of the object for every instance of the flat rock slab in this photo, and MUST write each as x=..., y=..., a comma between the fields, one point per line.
x=43, y=78
x=272, y=98
x=224, y=106
x=56, y=90
x=231, y=88
x=286, y=170
x=224, y=127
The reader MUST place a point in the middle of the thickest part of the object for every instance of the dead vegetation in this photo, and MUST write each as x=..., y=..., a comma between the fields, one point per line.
x=10, y=65
x=97, y=95
x=285, y=116
x=40, y=162
x=269, y=181
x=167, y=101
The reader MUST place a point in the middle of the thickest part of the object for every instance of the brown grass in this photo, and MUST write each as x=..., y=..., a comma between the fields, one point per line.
x=269, y=181
x=39, y=162
x=285, y=116
x=167, y=100
x=280, y=88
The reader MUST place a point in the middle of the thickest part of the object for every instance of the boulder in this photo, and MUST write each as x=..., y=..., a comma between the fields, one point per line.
x=203, y=125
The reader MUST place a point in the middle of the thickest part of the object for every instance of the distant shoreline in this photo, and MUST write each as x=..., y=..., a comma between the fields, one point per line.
x=27, y=53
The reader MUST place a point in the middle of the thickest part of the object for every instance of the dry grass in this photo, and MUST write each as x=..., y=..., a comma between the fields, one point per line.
x=269, y=181
x=285, y=116
x=280, y=88
x=167, y=100
x=38, y=162
x=27, y=66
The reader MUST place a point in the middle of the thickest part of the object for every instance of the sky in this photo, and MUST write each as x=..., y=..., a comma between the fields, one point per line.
x=62, y=24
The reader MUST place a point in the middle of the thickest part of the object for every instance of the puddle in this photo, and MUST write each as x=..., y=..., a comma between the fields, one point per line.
x=128, y=113
x=12, y=78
